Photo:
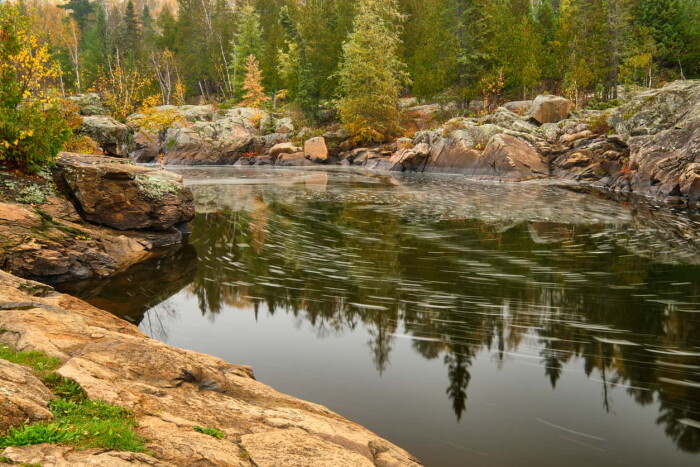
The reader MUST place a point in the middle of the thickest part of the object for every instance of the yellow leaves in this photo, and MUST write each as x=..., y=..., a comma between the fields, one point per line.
x=154, y=119
x=123, y=90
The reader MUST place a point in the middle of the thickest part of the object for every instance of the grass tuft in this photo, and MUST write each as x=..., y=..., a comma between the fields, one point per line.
x=215, y=432
x=78, y=421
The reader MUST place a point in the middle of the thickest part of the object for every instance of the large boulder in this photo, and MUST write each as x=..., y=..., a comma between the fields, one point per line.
x=89, y=104
x=125, y=196
x=115, y=139
x=315, y=149
x=283, y=148
x=550, y=109
x=410, y=158
x=509, y=156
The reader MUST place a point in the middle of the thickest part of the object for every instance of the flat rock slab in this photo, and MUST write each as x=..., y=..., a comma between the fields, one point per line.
x=172, y=390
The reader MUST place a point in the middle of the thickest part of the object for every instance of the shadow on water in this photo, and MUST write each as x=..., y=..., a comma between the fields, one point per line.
x=529, y=272
x=131, y=293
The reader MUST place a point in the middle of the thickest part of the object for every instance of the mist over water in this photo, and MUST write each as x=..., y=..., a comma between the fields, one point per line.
x=472, y=323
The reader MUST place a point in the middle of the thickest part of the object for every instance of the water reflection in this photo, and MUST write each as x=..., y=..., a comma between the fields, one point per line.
x=540, y=275
x=132, y=292
x=544, y=272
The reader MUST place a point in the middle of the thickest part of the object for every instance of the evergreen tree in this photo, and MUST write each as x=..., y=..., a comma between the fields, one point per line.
x=96, y=47
x=80, y=11
x=247, y=41
x=430, y=47
x=372, y=76
x=130, y=33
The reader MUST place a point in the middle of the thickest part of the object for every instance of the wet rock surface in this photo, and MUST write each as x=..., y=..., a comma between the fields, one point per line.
x=171, y=391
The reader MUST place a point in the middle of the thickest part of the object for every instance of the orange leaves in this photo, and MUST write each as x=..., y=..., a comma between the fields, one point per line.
x=255, y=95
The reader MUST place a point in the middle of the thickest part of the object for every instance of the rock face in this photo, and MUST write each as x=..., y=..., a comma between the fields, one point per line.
x=315, y=149
x=550, y=109
x=57, y=246
x=115, y=138
x=125, y=196
x=22, y=397
x=512, y=157
x=89, y=104
x=662, y=129
x=210, y=136
x=171, y=391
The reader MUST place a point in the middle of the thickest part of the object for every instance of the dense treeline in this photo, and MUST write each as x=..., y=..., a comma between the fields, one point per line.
x=357, y=57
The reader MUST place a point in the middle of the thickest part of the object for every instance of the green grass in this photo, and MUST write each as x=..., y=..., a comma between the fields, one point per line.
x=215, y=432
x=78, y=421
x=42, y=364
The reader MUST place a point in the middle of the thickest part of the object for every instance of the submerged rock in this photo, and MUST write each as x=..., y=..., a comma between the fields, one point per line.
x=125, y=196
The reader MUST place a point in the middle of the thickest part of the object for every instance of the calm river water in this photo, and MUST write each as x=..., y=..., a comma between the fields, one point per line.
x=471, y=323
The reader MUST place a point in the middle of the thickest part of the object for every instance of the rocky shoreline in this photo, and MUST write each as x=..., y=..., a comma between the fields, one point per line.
x=170, y=391
x=649, y=146
x=94, y=217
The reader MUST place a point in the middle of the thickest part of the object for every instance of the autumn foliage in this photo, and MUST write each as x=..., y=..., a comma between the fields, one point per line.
x=32, y=127
x=255, y=94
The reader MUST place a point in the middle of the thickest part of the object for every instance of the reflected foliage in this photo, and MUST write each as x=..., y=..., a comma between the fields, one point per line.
x=587, y=285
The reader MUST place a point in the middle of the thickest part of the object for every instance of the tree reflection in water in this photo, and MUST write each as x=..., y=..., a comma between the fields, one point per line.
x=568, y=292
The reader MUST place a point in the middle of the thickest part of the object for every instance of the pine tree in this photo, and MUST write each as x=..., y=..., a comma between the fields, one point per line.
x=372, y=76
x=255, y=94
x=96, y=48
x=130, y=38
x=80, y=11
x=248, y=41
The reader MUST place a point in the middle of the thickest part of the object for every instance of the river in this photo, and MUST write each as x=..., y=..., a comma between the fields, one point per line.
x=469, y=322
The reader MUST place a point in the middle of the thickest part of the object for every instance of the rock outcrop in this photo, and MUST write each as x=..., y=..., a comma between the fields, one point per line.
x=52, y=238
x=23, y=398
x=210, y=136
x=124, y=196
x=115, y=139
x=171, y=391
x=662, y=129
x=648, y=146
x=89, y=104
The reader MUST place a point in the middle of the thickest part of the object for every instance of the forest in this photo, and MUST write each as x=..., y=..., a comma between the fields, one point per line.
x=451, y=50
x=325, y=61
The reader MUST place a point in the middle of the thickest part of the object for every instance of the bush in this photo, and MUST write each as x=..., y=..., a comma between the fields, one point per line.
x=32, y=128
x=31, y=137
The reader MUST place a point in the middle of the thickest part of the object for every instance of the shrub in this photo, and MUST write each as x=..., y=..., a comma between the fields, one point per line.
x=32, y=128
x=31, y=137
x=599, y=124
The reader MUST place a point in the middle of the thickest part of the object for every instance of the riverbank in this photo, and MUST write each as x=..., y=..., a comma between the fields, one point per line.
x=649, y=145
x=171, y=391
